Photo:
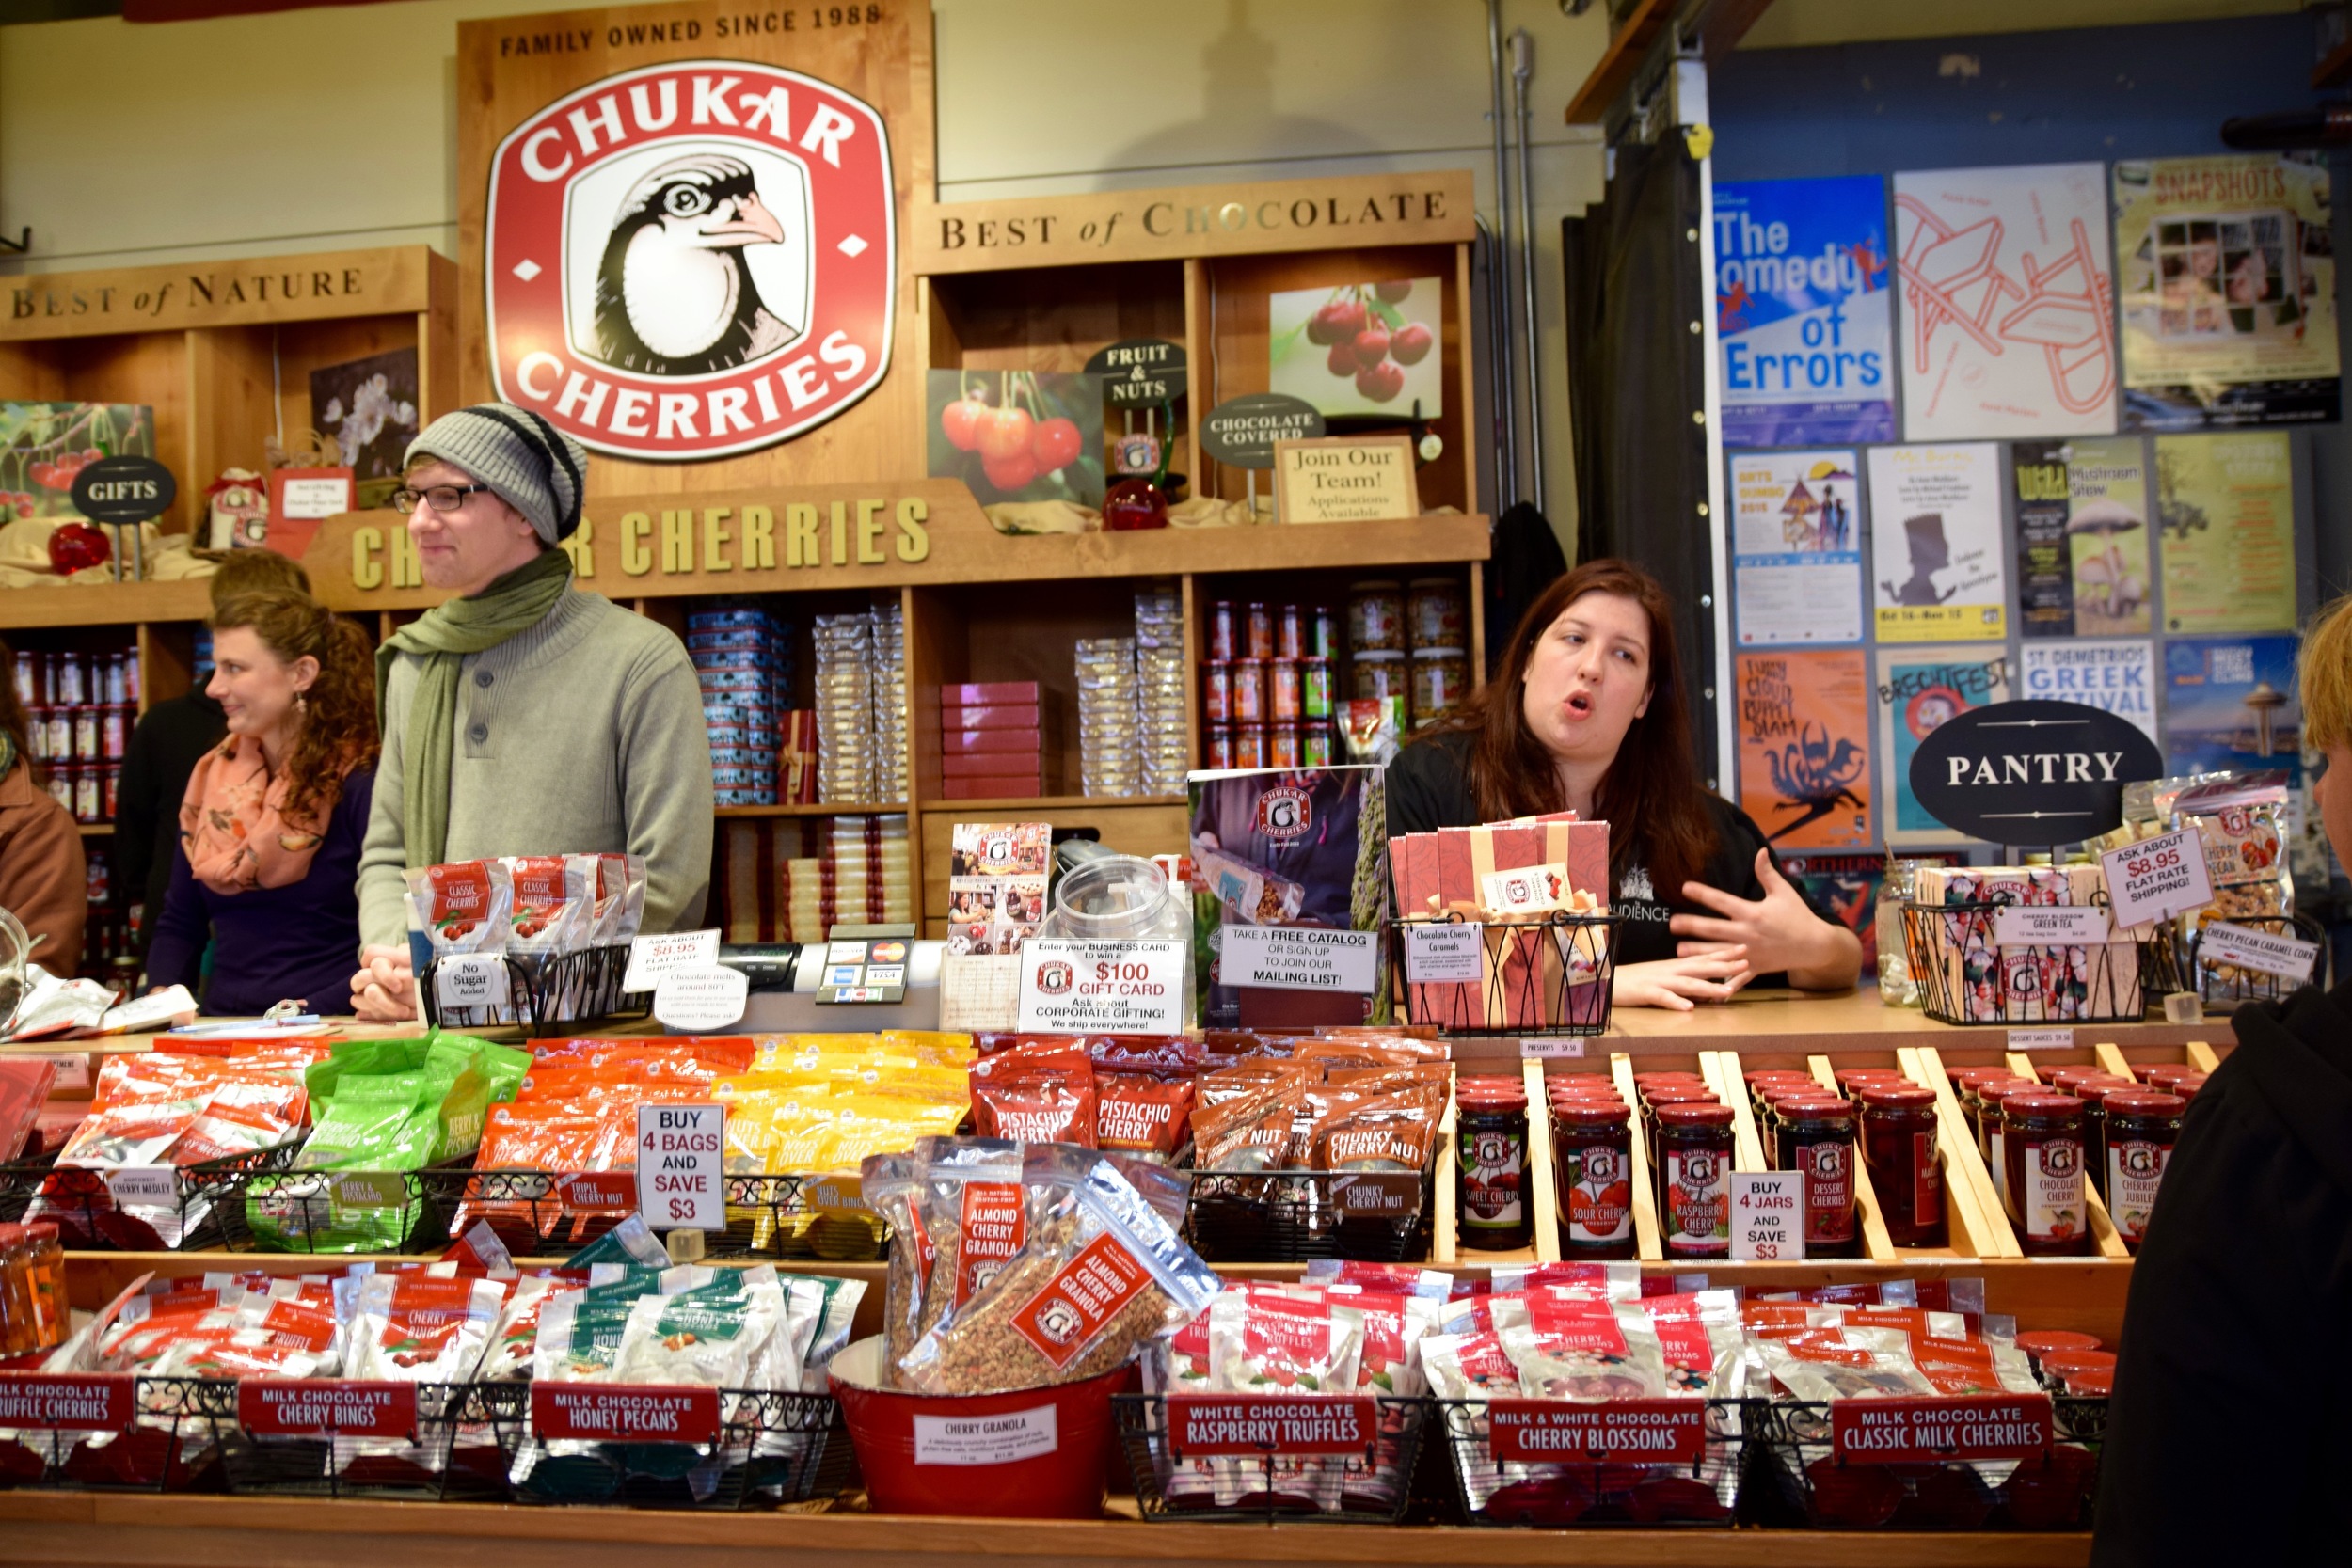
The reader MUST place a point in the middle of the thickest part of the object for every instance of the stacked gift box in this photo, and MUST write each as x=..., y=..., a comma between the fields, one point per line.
x=1161, y=678
x=860, y=705
x=858, y=874
x=744, y=659
x=991, y=742
x=1510, y=877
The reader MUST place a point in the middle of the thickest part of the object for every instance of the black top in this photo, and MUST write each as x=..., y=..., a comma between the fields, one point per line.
x=2241, y=1285
x=169, y=740
x=1428, y=788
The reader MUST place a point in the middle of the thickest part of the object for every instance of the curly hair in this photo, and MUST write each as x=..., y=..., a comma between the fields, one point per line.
x=338, y=734
x=14, y=722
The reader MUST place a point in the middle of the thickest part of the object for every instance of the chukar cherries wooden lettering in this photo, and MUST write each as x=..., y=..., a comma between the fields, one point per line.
x=2032, y=772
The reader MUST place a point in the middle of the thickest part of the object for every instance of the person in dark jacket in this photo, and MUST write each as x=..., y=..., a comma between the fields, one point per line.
x=170, y=737
x=2226, y=1438
x=274, y=817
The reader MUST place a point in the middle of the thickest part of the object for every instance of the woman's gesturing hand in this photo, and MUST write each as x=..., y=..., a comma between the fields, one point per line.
x=1683, y=983
x=1778, y=931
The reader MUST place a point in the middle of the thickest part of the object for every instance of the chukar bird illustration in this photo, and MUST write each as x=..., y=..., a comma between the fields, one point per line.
x=672, y=294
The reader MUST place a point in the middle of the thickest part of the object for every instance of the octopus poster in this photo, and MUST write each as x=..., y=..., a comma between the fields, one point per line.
x=1918, y=688
x=2008, y=302
x=2228, y=279
x=1796, y=547
x=1804, y=722
x=2225, y=510
x=1935, y=543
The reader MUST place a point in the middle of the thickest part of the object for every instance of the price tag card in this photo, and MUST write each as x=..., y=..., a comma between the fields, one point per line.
x=596, y=1192
x=171, y=1006
x=291, y=1408
x=2041, y=1040
x=1666, y=1431
x=2157, y=879
x=149, y=1186
x=2041, y=926
x=470, y=980
x=590, y=1412
x=651, y=957
x=82, y=1401
x=1441, y=952
x=1961, y=1426
x=72, y=1074
x=2291, y=958
x=998, y=1439
x=681, y=1151
x=1298, y=958
x=1207, y=1426
x=1767, y=1215
x=1565, y=1047
x=1133, y=986
x=700, y=1001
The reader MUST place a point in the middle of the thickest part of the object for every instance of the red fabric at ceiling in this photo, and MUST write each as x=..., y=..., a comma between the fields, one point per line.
x=197, y=10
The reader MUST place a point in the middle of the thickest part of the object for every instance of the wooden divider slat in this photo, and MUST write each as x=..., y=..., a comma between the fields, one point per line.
x=1645, y=1238
x=2111, y=1059
x=2202, y=1057
x=1723, y=1070
x=1542, y=1177
x=1965, y=1174
x=1876, y=1243
x=1441, y=1222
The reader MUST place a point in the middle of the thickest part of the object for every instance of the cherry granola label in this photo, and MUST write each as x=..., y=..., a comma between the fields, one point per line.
x=995, y=1225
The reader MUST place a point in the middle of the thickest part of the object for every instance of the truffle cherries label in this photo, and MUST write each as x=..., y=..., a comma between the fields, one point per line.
x=691, y=261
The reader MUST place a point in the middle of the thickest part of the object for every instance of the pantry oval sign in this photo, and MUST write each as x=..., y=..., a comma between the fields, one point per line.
x=692, y=259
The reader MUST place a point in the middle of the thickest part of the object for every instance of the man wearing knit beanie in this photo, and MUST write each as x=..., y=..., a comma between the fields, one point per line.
x=522, y=716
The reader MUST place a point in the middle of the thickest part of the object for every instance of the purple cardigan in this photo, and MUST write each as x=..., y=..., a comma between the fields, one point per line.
x=271, y=945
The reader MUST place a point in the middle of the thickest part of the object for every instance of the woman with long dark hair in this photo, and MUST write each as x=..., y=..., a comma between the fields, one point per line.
x=271, y=825
x=1586, y=714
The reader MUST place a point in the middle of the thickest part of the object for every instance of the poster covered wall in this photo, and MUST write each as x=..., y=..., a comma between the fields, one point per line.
x=2228, y=280
x=2082, y=537
x=1804, y=722
x=1797, y=548
x=2226, y=508
x=1802, y=311
x=2118, y=677
x=1920, y=689
x=1936, y=537
x=2008, y=302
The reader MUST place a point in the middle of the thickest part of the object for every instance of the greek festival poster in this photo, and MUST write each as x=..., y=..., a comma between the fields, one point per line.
x=1803, y=308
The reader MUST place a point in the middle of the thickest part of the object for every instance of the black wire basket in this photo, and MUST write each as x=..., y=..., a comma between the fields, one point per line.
x=1700, y=1489
x=770, y=1449
x=2228, y=984
x=1288, y=1217
x=1966, y=976
x=172, y=1436
x=1362, y=1482
x=546, y=996
x=1802, y=1482
x=1544, y=975
x=538, y=1212
x=335, y=1213
x=81, y=1200
x=455, y=1448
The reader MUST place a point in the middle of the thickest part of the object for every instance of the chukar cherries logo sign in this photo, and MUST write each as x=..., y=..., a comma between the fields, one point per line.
x=691, y=261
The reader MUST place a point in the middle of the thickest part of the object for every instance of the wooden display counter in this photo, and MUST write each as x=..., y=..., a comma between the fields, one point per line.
x=276, y=1532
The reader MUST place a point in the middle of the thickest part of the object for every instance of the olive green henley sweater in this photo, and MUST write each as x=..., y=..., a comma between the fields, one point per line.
x=583, y=734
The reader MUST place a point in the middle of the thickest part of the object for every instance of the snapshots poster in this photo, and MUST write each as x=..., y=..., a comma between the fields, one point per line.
x=1935, y=543
x=1803, y=309
x=2008, y=312
x=1804, y=720
x=2227, y=276
x=1796, y=547
x=2226, y=508
x=1918, y=691
x=2082, y=537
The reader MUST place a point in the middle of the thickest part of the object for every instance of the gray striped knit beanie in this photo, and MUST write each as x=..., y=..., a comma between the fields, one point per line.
x=527, y=462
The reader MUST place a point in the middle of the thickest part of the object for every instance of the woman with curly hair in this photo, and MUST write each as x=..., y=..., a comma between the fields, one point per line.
x=272, y=822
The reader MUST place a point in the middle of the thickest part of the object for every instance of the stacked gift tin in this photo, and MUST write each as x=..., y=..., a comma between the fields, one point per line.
x=744, y=659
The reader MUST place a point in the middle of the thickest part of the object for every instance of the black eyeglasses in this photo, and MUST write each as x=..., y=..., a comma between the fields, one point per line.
x=444, y=499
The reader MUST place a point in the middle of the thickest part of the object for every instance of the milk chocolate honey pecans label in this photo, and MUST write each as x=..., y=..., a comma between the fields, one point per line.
x=691, y=261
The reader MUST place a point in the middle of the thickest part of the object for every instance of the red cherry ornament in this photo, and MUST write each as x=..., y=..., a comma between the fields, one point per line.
x=78, y=547
x=1133, y=504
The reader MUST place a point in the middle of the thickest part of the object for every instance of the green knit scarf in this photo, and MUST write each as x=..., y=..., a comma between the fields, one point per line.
x=444, y=635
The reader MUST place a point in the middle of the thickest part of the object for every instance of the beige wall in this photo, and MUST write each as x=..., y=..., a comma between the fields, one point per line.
x=325, y=129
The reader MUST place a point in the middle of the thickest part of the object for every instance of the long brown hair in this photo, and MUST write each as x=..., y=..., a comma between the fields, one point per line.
x=14, y=722
x=338, y=732
x=1651, y=797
